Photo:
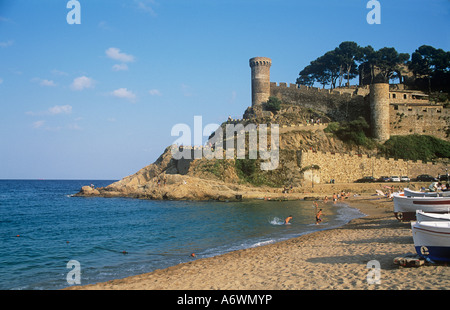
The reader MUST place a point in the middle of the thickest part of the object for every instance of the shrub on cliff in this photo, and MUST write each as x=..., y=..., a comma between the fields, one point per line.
x=273, y=104
x=353, y=132
x=248, y=170
x=416, y=147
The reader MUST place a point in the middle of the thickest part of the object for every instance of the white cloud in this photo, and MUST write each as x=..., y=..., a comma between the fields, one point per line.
x=104, y=25
x=47, y=83
x=1, y=80
x=120, y=67
x=124, y=93
x=60, y=109
x=146, y=6
x=59, y=73
x=43, y=82
x=114, y=53
x=38, y=124
x=154, y=92
x=73, y=126
x=82, y=82
x=7, y=43
x=57, y=109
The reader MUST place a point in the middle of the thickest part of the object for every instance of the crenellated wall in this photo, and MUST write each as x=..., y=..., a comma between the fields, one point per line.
x=339, y=105
x=403, y=115
x=345, y=168
x=389, y=109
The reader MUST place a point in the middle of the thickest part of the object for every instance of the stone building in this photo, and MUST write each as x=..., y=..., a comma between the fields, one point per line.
x=389, y=109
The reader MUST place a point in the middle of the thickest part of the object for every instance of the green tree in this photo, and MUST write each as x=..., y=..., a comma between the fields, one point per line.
x=347, y=54
x=432, y=63
x=389, y=62
x=273, y=104
x=323, y=70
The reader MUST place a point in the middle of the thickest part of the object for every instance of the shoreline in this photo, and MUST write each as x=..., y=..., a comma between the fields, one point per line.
x=330, y=259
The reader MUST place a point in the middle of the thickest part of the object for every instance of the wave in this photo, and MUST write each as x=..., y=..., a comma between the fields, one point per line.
x=261, y=243
x=276, y=221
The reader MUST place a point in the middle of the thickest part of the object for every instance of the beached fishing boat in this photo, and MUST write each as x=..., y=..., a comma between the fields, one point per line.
x=410, y=193
x=432, y=217
x=432, y=240
x=405, y=207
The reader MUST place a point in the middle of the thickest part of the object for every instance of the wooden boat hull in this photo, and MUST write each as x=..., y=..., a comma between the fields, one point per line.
x=405, y=207
x=432, y=240
x=432, y=217
x=410, y=193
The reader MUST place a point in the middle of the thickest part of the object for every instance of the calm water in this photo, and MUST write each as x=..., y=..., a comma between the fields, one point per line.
x=42, y=227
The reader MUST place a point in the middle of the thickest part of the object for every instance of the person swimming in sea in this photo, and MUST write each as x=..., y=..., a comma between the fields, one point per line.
x=286, y=221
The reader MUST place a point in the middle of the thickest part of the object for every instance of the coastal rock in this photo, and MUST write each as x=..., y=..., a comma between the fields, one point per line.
x=89, y=191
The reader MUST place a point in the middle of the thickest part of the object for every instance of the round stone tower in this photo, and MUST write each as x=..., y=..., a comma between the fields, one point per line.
x=260, y=79
x=379, y=111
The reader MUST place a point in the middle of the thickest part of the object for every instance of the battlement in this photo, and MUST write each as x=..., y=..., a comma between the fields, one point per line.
x=260, y=61
x=336, y=104
x=351, y=155
x=345, y=92
x=348, y=167
x=388, y=108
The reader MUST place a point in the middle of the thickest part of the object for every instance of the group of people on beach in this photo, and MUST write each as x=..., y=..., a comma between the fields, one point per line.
x=438, y=186
x=339, y=196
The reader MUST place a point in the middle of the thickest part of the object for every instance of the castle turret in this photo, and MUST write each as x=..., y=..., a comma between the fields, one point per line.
x=379, y=110
x=260, y=79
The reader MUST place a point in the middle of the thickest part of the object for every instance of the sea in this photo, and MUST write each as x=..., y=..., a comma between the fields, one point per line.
x=50, y=239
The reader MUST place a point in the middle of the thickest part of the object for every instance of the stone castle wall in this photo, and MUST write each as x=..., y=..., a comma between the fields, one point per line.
x=406, y=115
x=345, y=168
x=336, y=104
x=419, y=119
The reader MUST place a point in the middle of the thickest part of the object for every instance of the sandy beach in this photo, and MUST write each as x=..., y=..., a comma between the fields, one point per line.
x=334, y=259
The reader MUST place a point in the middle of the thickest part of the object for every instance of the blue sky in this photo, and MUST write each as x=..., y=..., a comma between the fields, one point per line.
x=98, y=100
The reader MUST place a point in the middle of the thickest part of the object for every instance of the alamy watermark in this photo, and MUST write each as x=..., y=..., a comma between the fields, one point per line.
x=74, y=275
x=231, y=145
x=374, y=274
x=74, y=15
x=374, y=15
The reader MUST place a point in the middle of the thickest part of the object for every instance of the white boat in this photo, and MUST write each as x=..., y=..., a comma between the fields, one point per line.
x=432, y=217
x=410, y=193
x=405, y=207
x=432, y=240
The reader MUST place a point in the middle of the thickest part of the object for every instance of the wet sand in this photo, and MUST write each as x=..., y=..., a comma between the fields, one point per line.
x=334, y=259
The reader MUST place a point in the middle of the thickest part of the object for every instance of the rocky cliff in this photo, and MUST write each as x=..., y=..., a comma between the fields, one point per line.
x=229, y=179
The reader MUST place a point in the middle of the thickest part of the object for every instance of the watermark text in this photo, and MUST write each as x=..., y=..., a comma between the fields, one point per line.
x=74, y=15
x=374, y=15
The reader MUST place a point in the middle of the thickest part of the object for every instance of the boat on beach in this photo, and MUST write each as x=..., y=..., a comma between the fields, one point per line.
x=432, y=217
x=405, y=207
x=432, y=240
x=410, y=193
